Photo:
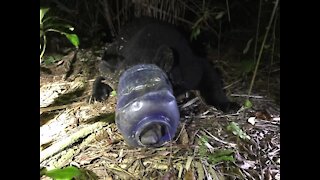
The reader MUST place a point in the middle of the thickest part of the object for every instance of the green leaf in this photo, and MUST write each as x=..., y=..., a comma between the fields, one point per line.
x=215, y=160
x=73, y=38
x=236, y=130
x=247, y=66
x=66, y=174
x=50, y=18
x=266, y=46
x=203, y=148
x=52, y=59
x=113, y=93
x=58, y=25
x=221, y=155
x=49, y=60
x=223, y=152
x=246, y=49
x=204, y=139
x=220, y=15
x=247, y=104
x=43, y=12
x=195, y=32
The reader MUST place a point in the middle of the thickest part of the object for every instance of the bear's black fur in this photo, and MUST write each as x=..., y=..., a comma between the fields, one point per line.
x=163, y=45
x=101, y=90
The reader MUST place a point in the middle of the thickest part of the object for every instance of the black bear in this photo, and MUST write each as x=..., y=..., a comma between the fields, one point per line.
x=163, y=45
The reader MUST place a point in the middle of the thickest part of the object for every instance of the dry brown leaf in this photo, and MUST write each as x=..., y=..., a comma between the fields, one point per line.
x=189, y=175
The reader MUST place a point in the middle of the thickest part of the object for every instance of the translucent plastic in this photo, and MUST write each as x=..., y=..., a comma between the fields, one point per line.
x=147, y=113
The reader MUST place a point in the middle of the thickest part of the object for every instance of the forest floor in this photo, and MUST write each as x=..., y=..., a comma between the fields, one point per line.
x=209, y=144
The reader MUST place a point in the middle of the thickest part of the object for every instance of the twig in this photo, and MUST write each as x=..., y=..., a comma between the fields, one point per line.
x=107, y=16
x=168, y=14
x=245, y=95
x=262, y=45
x=69, y=63
x=272, y=50
x=233, y=83
x=274, y=122
x=208, y=176
x=209, y=146
x=182, y=128
x=200, y=169
x=221, y=141
x=228, y=10
x=59, y=146
x=47, y=109
x=57, y=84
x=189, y=103
x=71, y=153
x=219, y=40
x=118, y=15
x=44, y=47
x=257, y=33
x=119, y=169
x=192, y=10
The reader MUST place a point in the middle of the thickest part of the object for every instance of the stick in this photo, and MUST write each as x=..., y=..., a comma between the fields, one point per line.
x=59, y=146
x=221, y=141
x=245, y=95
x=47, y=109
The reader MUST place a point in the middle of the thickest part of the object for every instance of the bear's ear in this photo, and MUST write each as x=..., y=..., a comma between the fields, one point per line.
x=164, y=58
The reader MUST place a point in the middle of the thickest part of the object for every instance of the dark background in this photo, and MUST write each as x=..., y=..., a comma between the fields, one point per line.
x=21, y=83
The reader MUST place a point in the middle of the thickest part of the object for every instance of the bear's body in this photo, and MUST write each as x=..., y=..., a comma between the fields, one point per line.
x=163, y=45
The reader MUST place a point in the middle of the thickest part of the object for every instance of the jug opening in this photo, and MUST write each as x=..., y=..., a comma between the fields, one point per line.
x=153, y=133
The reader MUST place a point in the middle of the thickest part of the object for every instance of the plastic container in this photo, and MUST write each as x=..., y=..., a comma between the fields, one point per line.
x=147, y=113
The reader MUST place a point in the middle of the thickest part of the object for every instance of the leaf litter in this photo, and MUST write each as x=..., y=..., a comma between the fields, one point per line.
x=208, y=144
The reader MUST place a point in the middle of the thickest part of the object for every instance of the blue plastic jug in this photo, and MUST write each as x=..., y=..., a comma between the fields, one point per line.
x=147, y=113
